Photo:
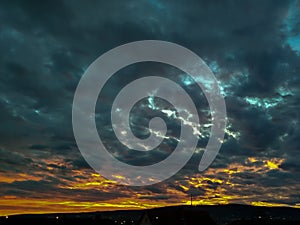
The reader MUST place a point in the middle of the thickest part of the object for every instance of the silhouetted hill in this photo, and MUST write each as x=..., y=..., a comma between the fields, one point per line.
x=218, y=214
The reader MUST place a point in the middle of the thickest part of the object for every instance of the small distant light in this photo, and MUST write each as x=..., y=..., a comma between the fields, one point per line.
x=6, y=217
x=57, y=217
x=259, y=217
x=156, y=217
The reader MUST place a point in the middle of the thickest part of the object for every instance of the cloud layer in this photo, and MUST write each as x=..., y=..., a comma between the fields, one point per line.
x=253, y=49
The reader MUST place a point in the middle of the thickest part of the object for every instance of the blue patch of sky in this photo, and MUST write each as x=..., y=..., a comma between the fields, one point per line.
x=292, y=21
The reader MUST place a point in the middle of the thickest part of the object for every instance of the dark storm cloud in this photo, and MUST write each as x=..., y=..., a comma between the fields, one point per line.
x=12, y=161
x=47, y=45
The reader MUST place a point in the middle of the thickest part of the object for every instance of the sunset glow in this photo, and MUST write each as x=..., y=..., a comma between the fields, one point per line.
x=252, y=48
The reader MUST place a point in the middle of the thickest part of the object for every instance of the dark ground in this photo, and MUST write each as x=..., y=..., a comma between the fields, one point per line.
x=206, y=215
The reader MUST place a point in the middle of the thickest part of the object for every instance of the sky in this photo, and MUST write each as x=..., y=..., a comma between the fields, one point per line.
x=253, y=48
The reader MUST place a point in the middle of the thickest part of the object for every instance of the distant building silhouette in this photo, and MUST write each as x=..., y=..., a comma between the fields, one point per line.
x=145, y=220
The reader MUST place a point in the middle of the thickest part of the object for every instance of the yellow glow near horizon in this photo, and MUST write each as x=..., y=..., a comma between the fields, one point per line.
x=272, y=204
x=41, y=206
x=218, y=186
